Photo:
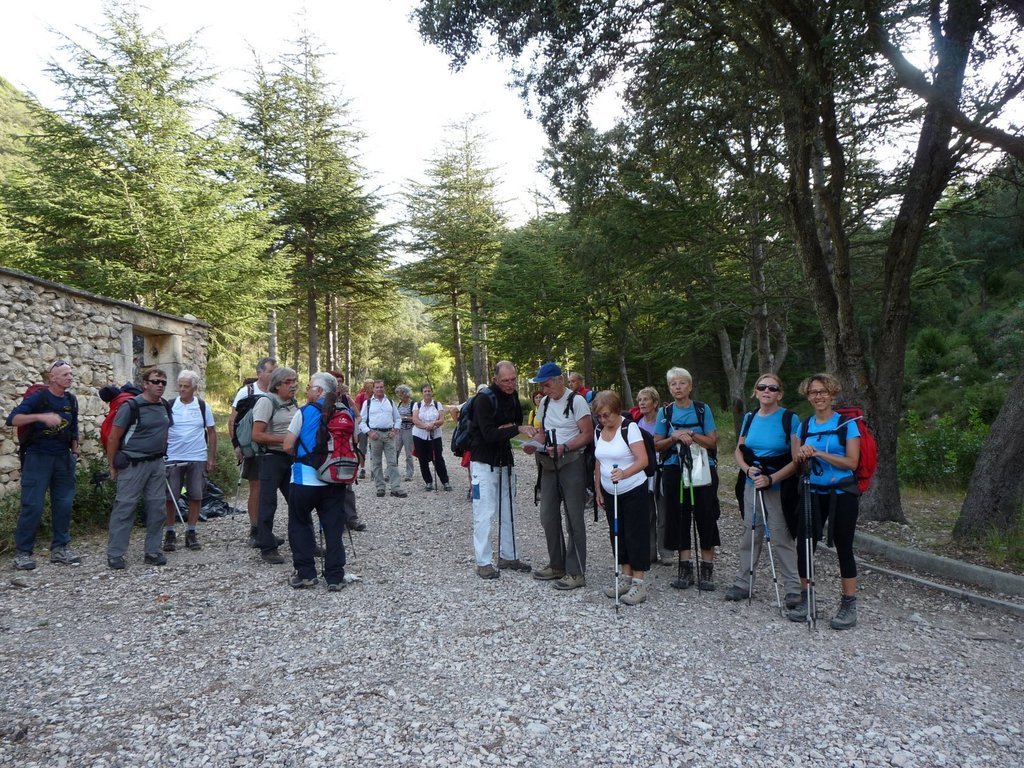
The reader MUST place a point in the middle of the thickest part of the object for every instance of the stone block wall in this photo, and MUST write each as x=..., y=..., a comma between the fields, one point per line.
x=106, y=342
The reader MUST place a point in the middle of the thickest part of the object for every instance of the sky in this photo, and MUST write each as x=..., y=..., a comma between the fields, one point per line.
x=402, y=92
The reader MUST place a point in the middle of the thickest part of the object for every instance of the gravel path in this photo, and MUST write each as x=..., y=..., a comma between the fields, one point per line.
x=213, y=660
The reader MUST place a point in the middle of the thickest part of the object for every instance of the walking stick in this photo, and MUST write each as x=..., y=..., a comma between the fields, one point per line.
x=511, y=511
x=771, y=555
x=695, y=544
x=499, y=511
x=615, y=533
x=812, y=618
x=174, y=499
x=563, y=505
x=753, y=540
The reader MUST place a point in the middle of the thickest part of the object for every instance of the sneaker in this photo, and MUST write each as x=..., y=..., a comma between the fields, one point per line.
x=23, y=561
x=734, y=593
x=170, y=541
x=792, y=600
x=192, y=540
x=448, y=486
x=799, y=613
x=116, y=563
x=336, y=587
x=513, y=565
x=685, y=578
x=272, y=556
x=356, y=525
x=846, y=616
x=296, y=582
x=637, y=593
x=380, y=492
x=569, y=581
x=547, y=573
x=429, y=487
x=707, y=577
x=487, y=572
x=64, y=556
x=362, y=474
x=156, y=558
x=399, y=494
x=619, y=588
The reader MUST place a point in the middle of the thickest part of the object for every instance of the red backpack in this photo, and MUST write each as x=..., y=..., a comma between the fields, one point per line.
x=332, y=457
x=108, y=421
x=868, y=462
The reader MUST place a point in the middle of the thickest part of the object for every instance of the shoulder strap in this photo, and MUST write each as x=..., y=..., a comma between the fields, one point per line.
x=787, y=422
x=202, y=410
x=748, y=420
x=545, y=402
x=698, y=408
x=568, y=403
x=250, y=389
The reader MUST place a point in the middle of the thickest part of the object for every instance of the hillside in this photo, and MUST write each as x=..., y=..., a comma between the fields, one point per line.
x=15, y=121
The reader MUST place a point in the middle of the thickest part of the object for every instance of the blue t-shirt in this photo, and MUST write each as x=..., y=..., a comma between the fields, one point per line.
x=308, y=419
x=766, y=436
x=44, y=439
x=823, y=437
x=685, y=418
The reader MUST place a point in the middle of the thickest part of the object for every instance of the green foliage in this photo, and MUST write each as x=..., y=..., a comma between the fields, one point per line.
x=940, y=454
x=435, y=364
x=16, y=122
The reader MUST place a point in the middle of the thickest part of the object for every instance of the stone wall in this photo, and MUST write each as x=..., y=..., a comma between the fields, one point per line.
x=105, y=341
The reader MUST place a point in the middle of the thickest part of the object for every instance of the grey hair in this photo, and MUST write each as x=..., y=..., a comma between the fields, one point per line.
x=403, y=389
x=262, y=363
x=279, y=375
x=678, y=373
x=186, y=374
x=325, y=381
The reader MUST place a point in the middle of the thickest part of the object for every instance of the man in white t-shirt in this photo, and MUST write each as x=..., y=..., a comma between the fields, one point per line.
x=566, y=429
x=380, y=423
x=250, y=468
x=191, y=455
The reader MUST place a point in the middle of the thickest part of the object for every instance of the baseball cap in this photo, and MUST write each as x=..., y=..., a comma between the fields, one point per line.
x=547, y=371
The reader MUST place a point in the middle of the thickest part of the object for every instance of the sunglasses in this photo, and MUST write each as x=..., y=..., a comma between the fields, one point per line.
x=768, y=388
x=58, y=364
x=158, y=382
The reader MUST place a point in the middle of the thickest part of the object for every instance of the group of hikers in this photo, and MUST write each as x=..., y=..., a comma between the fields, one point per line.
x=652, y=470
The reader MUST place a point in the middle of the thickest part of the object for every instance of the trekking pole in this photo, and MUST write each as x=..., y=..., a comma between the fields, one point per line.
x=499, y=512
x=771, y=555
x=615, y=534
x=563, y=504
x=697, y=554
x=238, y=484
x=174, y=499
x=753, y=540
x=809, y=533
x=511, y=513
x=679, y=551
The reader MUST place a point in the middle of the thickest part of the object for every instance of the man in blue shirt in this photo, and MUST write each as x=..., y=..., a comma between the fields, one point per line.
x=51, y=450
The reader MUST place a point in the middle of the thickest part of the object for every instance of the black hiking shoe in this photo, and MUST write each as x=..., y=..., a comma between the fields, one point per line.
x=156, y=558
x=192, y=541
x=272, y=556
x=846, y=616
x=170, y=541
x=707, y=577
x=685, y=578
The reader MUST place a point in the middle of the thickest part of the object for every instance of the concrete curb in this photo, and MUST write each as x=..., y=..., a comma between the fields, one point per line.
x=943, y=567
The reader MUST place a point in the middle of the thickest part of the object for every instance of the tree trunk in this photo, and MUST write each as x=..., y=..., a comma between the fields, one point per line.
x=627, y=390
x=735, y=370
x=996, y=491
x=314, y=336
x=348, y=345
x=329, y=327
x=462, y=387
x=479, y=367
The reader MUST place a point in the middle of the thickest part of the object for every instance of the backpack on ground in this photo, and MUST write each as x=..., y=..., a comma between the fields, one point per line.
x=868, y=461
x=332, y=456
x=27, y=432
x=652, y=455
x=465, y=426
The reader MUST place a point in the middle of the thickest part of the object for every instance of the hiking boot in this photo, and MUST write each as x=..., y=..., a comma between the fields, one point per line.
x=448, y=486
x=23, y=561
x=318, y=551
x=399, y=494
x=707, y=577
x=430, y=487
x=362, y=474
x=297, y=582
x=846, y=616
x=734, y=593
x=621, y=586
x=155, y=558
x=116, y=563
x=192, y=540
x=569, y=581
x=792, y=600
x=487, y=572
x=64, y=556
x=547, y=573
x=685, y=578
x=380, y=492
x=336, y=587
x=272, y=556
x=513, y=565
x=356, y=525
x=799, y=613
x=637, y=593
x=170, y=541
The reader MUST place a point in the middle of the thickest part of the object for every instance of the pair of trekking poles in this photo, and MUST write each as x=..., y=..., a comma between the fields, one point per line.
x=551, y=438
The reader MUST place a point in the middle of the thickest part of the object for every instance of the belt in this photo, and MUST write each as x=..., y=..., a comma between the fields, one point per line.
x=144, y=459
x=381, y=429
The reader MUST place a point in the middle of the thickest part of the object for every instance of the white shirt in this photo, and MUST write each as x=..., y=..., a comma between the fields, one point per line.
x=566, y=427
x=615, y=451
x=244, y=392
x=379, y=416
x=186, y=439
x=428, y=413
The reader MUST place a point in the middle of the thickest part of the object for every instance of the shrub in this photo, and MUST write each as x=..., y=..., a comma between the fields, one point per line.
x=942, y=453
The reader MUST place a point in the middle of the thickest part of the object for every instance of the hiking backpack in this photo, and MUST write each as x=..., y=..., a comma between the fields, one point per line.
x=464, y=428
x=133, y=417
x=123, y=396
x=202, y=415
x=868, y=461
x=652, y=455
x=243, y=423
x=27, y=432
x=698, y=409
x=332, y=456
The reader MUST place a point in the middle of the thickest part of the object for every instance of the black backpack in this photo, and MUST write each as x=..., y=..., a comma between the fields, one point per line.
x=652, y=455
x=464, y=429
x=202, y=415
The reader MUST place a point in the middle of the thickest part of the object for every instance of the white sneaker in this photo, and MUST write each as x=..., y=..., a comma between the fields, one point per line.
x=620, y=588
x=637, y=594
